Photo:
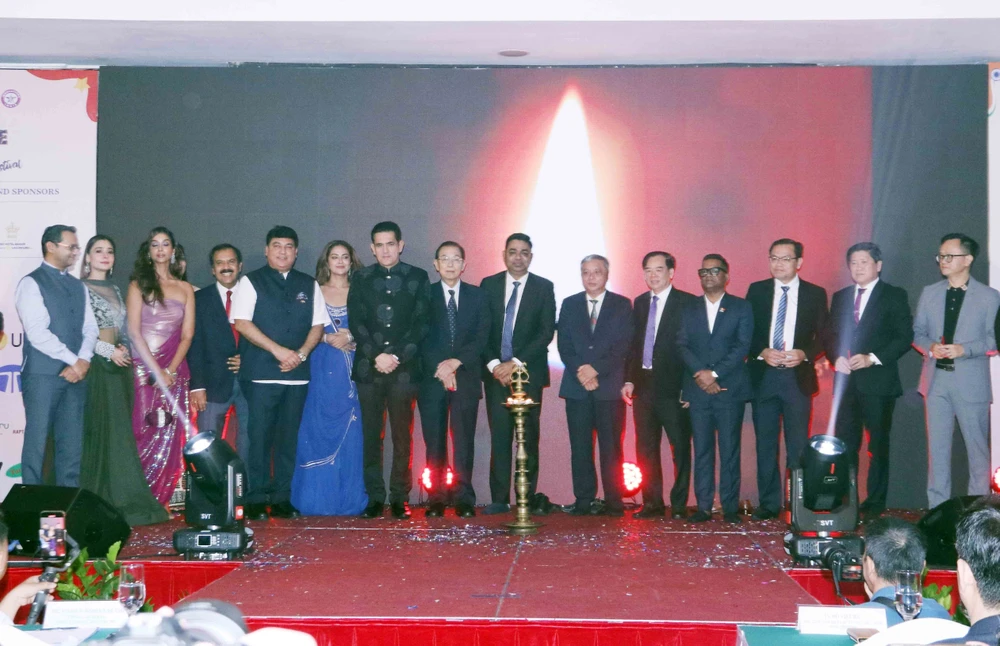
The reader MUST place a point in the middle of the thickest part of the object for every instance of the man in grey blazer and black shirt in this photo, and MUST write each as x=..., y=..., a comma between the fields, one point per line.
x=953, y=329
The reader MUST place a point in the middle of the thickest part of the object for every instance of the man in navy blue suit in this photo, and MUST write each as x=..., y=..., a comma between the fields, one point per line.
x=594, y=333
x=714, y=340
x=214, y=358
x=452, y=360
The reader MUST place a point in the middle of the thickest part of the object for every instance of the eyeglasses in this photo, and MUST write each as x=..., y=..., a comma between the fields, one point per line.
x=782, y=259
x=450, y=260
x=75, y=248
x=948, y=257
x=712, y=271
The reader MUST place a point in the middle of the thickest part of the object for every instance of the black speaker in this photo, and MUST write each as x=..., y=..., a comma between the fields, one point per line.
x=90, y=520
x=938, y=526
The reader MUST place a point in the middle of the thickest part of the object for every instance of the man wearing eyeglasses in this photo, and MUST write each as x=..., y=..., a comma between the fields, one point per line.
x=789, y=317
x=954, y=330
x=60, y=332
x=714, y=339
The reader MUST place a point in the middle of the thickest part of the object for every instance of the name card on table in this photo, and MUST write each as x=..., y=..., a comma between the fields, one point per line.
x=78, y=614
x=835, y=620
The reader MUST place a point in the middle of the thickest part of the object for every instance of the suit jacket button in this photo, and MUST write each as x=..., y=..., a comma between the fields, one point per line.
x=590, y=347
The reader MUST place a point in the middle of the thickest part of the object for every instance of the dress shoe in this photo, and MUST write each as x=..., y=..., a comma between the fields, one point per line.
x=763, y=513
x=613, y=512
x=373, y=510
x=868, y=514
x=435, y=510
x=400, y=510
x=700, y=517
x=496, y=508
x=284, y=510
x=648, y=511
x=578, y=510
x=678, y=512
x=255, y=511
x=540, y=505
x=465, y=510
x=732, y=518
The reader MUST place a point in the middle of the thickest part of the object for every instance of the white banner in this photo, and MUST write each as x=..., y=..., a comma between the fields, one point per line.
x=993, y=161
x=48, y=175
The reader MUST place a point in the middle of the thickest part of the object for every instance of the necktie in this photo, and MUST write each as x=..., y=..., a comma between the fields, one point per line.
x=452, y=316
x=593, y=314
x=507, y=338
x=779, y=321
x=229, y=307
x=857, y=304
x=650, y=339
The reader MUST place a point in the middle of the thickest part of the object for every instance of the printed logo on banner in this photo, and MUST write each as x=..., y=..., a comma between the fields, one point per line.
x=3, y=137
x=14, y=471
x=10, y=98
x=10, y=379
x=9, y=164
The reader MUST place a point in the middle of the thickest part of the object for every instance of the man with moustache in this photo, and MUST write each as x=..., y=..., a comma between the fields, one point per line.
x=870, y=330
x=594, y=334
x=522, y=324
x=789, y=319
x=653, y=387
x=954, y=330
x=280, y=314
x=60, y=333
x=714, y=340
x=452, y=360
x=214, y=358
x=389, y=305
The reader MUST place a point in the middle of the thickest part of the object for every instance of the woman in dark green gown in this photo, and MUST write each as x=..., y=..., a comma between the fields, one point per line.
x=110, y=464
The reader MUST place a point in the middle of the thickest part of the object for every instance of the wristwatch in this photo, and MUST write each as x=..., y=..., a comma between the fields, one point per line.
x=301, y=356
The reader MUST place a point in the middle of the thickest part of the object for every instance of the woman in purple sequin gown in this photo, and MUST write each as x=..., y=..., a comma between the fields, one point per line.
x=161, y=323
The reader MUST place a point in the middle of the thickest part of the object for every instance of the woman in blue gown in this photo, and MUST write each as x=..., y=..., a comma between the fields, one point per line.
x=328, y=478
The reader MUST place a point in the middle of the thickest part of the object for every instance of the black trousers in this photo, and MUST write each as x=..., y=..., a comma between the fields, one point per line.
x=726, y=417
x=780, y=406
x=502, y=440
x=435, y=405
x=275, y=415
x=654, y=415
x=607, y=418
x=398, y=400
x=858, y=411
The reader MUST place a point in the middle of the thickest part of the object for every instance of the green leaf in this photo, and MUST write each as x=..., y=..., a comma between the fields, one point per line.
x=101, y=567
x=113, y=551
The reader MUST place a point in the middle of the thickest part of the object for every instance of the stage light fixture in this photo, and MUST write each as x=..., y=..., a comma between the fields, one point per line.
x=427, y=479
x=631, y=478
x=995, y=482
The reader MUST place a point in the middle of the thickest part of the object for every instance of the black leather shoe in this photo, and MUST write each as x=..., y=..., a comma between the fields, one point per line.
x=465, y=510
x=541, y=505
x=699, y=517
x=577, y=510
x=648, y=512
x=763, y=513
x=614, y=512
x=678, y=512
x=732, y=517
x=373, y=510
x=434, y=510
x=495, y=508
x=255, y=511
x=400, y=510
x=284, y=510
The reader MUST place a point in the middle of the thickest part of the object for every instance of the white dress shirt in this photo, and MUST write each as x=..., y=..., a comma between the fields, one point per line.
x=35, y=321
x=712, y=309
x=600, y=303
x=508, y=290
x=791, y=312
x=661, y=305
x=445, y=288
x=865, y=296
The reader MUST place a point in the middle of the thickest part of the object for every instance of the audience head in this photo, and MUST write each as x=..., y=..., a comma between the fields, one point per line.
x=594, y=271
x=517, y=254
x=714, y=274
x=658, y=270
x=60, y=246
x=864, y=259
x=98, y=257
x=785, y=257
x=158, y=250
x=978, y=546
x=226, y=263
x=282, y=248
x=956, y=254
x=449, y=261
x=891, y=545
x=387, y=244
x=338, y=258
x=182, y=263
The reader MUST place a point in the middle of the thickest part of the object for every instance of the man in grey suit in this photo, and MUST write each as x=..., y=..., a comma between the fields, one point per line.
x=953, y=329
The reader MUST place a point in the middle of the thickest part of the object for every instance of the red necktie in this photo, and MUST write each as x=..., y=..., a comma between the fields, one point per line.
x=229, y=306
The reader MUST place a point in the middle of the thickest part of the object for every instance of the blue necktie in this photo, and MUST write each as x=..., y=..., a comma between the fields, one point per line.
x=452, y=316
x=650, y=339
x=779, y=321
x=507, y=339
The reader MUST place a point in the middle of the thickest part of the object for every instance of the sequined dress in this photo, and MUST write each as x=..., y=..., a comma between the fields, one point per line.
x=328, y=478
x=159, y=417
x=110, y=464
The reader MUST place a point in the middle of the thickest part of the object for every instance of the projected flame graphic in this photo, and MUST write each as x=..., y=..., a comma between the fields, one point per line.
x=564, y=220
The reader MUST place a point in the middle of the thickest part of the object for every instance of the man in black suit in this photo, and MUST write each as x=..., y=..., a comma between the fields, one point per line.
x=714, y=339
x=870, y=330
x=594, y=332
x=654, y=372
x=522, y=324
x=214, y=358
x=452, y=356
x=789, y=319
x=389, y=304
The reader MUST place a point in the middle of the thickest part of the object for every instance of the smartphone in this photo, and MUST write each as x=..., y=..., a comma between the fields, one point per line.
x=52, y=534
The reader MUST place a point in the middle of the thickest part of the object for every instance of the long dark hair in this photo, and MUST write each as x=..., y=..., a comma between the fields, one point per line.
x=85, y=270
x=144, y=273
x=323, y=264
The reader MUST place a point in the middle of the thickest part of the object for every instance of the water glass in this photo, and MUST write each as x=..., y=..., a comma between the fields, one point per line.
x=132, y=587
x=909, y=595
